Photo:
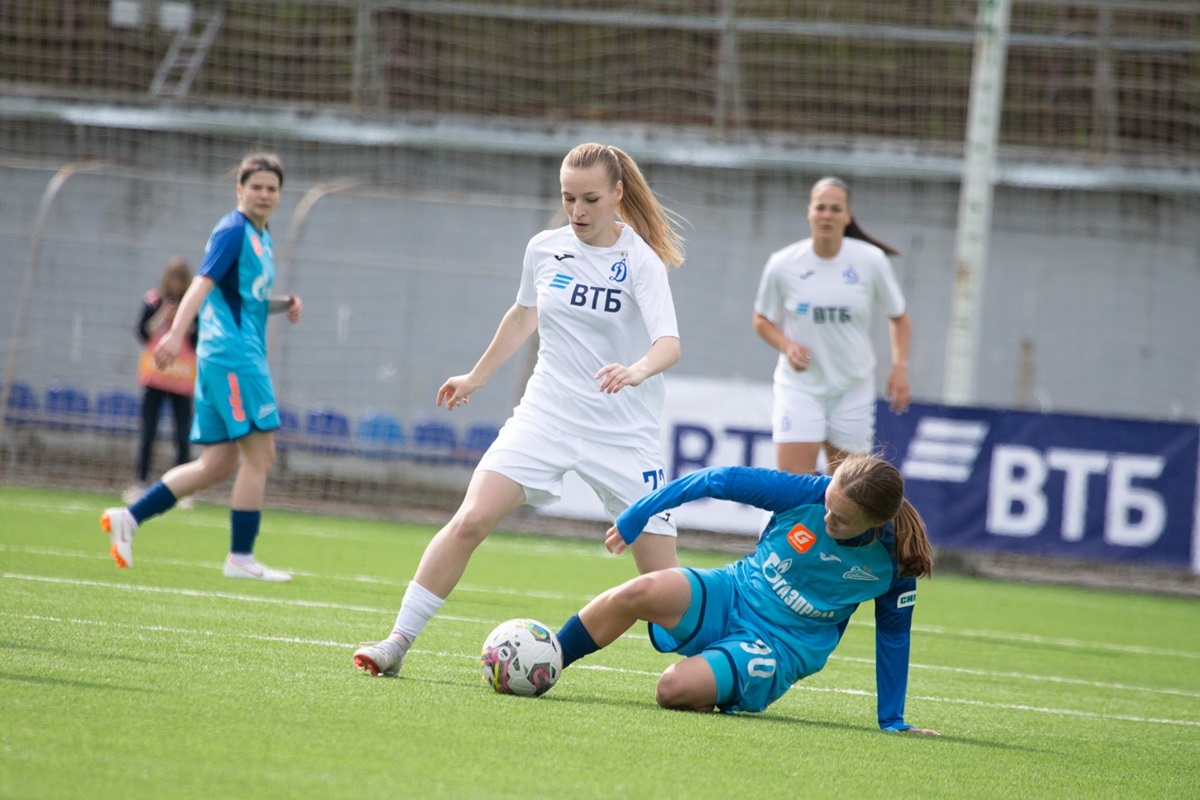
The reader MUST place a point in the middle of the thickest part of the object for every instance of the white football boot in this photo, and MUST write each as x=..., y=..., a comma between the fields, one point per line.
x=254, y=571
x=120, y=526
x=383, y=658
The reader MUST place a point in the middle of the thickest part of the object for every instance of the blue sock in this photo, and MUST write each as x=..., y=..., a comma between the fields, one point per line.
x=243, y=526
x=575, y=640
x=158, y=499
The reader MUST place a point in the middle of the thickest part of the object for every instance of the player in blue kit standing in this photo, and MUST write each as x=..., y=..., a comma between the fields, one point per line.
x=236, y=415
x=755, y=627
x=596, y=291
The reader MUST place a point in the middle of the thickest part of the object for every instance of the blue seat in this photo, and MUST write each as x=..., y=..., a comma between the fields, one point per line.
x=22, y=404
x=67, y=408
x=477, y=440
x=434, y=441
x=327, y=431
x=379, y=435
x=117, y=411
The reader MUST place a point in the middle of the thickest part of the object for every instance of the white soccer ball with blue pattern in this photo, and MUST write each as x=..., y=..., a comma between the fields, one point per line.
x=521, y=657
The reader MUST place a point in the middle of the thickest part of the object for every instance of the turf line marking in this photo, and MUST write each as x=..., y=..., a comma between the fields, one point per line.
x=1066, y=712
x=928, y=629
x=452, y=618
x=600, y=668
x=368, y=579
x=1029, y=677
x=1032, y=639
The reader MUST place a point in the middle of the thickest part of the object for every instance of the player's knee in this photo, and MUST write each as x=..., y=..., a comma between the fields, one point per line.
x=635, y=595
x=673, y=690
x=470, y=527
x=219, y=468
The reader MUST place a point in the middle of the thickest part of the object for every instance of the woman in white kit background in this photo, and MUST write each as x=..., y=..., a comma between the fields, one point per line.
x=814, y=306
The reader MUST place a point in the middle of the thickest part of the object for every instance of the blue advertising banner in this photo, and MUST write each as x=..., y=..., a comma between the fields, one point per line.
x=1053, y=484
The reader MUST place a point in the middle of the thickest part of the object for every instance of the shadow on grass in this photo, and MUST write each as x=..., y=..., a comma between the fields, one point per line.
x=944, y=740
x=65, y=682
x=92, y=654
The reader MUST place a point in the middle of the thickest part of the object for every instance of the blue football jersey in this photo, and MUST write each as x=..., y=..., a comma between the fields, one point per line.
x=800, y=580
x=233, y=319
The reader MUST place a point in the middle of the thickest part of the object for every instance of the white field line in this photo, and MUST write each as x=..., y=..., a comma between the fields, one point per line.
x=1123, y=687
x=368, y=579
x=631, y=635
x=582, y=599
x=645, y=673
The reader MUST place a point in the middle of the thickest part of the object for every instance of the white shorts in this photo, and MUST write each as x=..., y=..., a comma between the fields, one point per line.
x=846, y=420
x=538, y=456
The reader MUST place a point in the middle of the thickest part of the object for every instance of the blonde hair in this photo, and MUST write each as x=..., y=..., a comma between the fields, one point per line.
x=877, y=488
x=177, y=269
x=639, y=206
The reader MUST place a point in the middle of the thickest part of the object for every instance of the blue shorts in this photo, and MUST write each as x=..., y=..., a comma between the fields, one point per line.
x=231, y=404
x=753, y=668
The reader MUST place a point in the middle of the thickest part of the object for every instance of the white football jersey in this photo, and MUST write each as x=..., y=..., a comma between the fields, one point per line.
x=825, y=305
x=596, y=306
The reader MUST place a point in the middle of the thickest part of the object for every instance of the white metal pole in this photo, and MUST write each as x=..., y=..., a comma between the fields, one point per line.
x=975, y=200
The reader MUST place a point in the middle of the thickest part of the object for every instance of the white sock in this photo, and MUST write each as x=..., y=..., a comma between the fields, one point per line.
x=241, y=559
x=417, y=608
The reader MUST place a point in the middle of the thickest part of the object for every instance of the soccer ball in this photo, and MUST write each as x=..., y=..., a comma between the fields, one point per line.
x=522, y=657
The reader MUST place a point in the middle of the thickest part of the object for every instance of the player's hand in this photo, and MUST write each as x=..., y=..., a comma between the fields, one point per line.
x=295, y=307
x=167, y=350
x=613, y=541
x=615, y=377
x=798, y=356
x=898, y=393
x=456, y=391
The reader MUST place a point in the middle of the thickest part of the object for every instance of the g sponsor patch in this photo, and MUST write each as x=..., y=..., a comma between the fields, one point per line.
x=801, y=538
x=907, y=599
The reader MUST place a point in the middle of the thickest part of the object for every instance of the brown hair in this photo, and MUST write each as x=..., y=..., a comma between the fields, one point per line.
x=260, y=162
x=877, y=488
x=639, y=206
x=177, y=269
x=853, y=230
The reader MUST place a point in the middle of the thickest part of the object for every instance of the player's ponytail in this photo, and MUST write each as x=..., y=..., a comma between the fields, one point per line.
x=913, y=550
x=639, y=207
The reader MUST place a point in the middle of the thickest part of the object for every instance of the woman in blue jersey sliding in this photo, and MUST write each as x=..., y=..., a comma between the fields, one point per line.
x=236, y=414
x=753, y=628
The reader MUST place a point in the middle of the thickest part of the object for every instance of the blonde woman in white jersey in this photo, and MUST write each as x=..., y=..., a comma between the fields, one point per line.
x=596, y=291
x=814, y=306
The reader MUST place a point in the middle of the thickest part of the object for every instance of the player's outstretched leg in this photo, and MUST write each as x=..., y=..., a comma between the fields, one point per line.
x=120, y=526
x=382, y=658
